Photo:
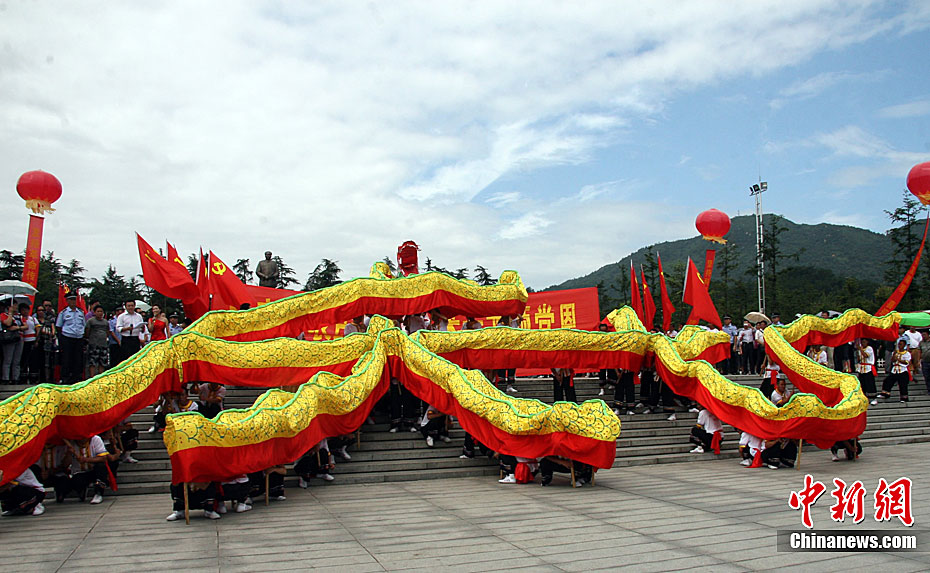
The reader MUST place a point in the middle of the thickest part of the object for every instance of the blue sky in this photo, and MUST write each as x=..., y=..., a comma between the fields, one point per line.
x=540, y=137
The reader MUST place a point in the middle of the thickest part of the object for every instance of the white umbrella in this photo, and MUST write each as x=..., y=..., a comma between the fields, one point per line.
x=17, y=287
x=144, y=306
x=755, y=317
x=17, y=299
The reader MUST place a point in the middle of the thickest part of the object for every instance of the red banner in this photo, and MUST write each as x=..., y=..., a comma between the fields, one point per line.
x=33, y=250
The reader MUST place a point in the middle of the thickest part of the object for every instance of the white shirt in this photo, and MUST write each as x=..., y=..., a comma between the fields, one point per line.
x=414, y=323
x=745, y=335
x=760, y=338
x=821, y=358
x=28, y=479
x=709, y=422
x=96, y=448
x=865, y=366
x=913, y=339
x=777, y=396
x=755, y=444
x=898, y=368
x=133, y=320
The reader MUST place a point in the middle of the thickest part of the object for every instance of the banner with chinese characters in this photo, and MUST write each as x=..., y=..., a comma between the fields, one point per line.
x=33, y=250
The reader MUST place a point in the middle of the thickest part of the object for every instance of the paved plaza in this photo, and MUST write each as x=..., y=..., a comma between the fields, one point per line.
x=713, y=515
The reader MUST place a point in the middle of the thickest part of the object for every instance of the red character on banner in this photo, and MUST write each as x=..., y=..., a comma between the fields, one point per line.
x=849, y=501
x=894, y=500
x=805, y=498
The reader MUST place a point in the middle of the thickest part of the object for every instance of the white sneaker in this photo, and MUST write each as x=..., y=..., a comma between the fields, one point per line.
x=38, y=510
x=639, y=404
x=616, y=411
x=243, y=507
x=175, y=515
x=301, y=483
x=875, y=402
x=343, y=453
x=325, y=477
x=393, y=430
x=97, y=499
x=279, y=498
x=772, y=466
x=221, y=508
x=694, y=410
x=151, y=430
x=698, y=450
x=672, y=418
x=834, y=457
x=414, y=430
x=746, y=463
x=630, y=412
x=579, y=482
x=248, y=500
x=131, y=460
x=601, y=393
x=445, y=439
x=209, y=514
x=511, y=390
x=463, y=457
x=647, y=411
x=509, y=479
x=429, y=441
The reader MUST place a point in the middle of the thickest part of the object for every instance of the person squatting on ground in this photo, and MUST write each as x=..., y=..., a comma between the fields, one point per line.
x=563, y=385
x=317, y=462
x=705, y=433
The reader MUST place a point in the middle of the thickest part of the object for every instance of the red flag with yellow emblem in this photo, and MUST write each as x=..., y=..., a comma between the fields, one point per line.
x=168, y=278
x=227, y=290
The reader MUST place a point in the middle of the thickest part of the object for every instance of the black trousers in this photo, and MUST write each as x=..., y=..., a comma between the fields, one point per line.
x=746, y=360
x=199, y=499
x=668, y=398
x=852, y=447
x=234, y=492
x=508, y=374
x=435, y=427
x=547, y=467
x=275, y=484
x=606, y=376
x=404, y=405
x=700, y=437
x=564, y=390
x=96, y=475
x=867, y=381
x=209, y=410
x=115, y=353
x=648, y=388
x=901, y=380
x=311, y=464
x=468, y=447
x=781, y=454
x=128, y=346
x=72, y=358
x=21, y=499
x=625, y=392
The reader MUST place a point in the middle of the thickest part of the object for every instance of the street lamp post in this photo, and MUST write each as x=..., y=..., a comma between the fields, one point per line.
x=756, y=191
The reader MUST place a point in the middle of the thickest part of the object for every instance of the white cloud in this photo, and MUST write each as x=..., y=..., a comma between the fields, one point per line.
x=917, y=108
x=341, y=130
x=501, y=199
x=524, y=226
x=816, y=85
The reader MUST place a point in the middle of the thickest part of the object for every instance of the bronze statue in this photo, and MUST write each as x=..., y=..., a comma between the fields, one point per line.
x=267, y=272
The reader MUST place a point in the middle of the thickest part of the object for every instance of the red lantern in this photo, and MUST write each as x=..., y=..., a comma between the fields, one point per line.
x=40, y=190
x=713, y=224
x=918, y=182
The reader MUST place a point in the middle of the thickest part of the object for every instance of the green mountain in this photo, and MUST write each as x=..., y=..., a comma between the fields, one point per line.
x=813, y=262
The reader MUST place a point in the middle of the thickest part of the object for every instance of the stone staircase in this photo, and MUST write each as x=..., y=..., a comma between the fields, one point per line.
x=383, y=456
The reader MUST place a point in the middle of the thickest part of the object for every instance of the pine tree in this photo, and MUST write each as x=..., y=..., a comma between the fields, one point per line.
x=326, y=274
x=11, y=265
x=483, y=277
x=285, y=273
x=906, y=239
x=242, y=270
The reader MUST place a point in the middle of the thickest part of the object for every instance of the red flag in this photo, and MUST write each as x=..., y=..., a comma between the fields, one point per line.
x=167, y=278
x=63, y=291
x=898, y=293
x=696, y=295
x=635, y=300
x=668, y=309
x=649, y=304
x=709, y=265
x=227, y=290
